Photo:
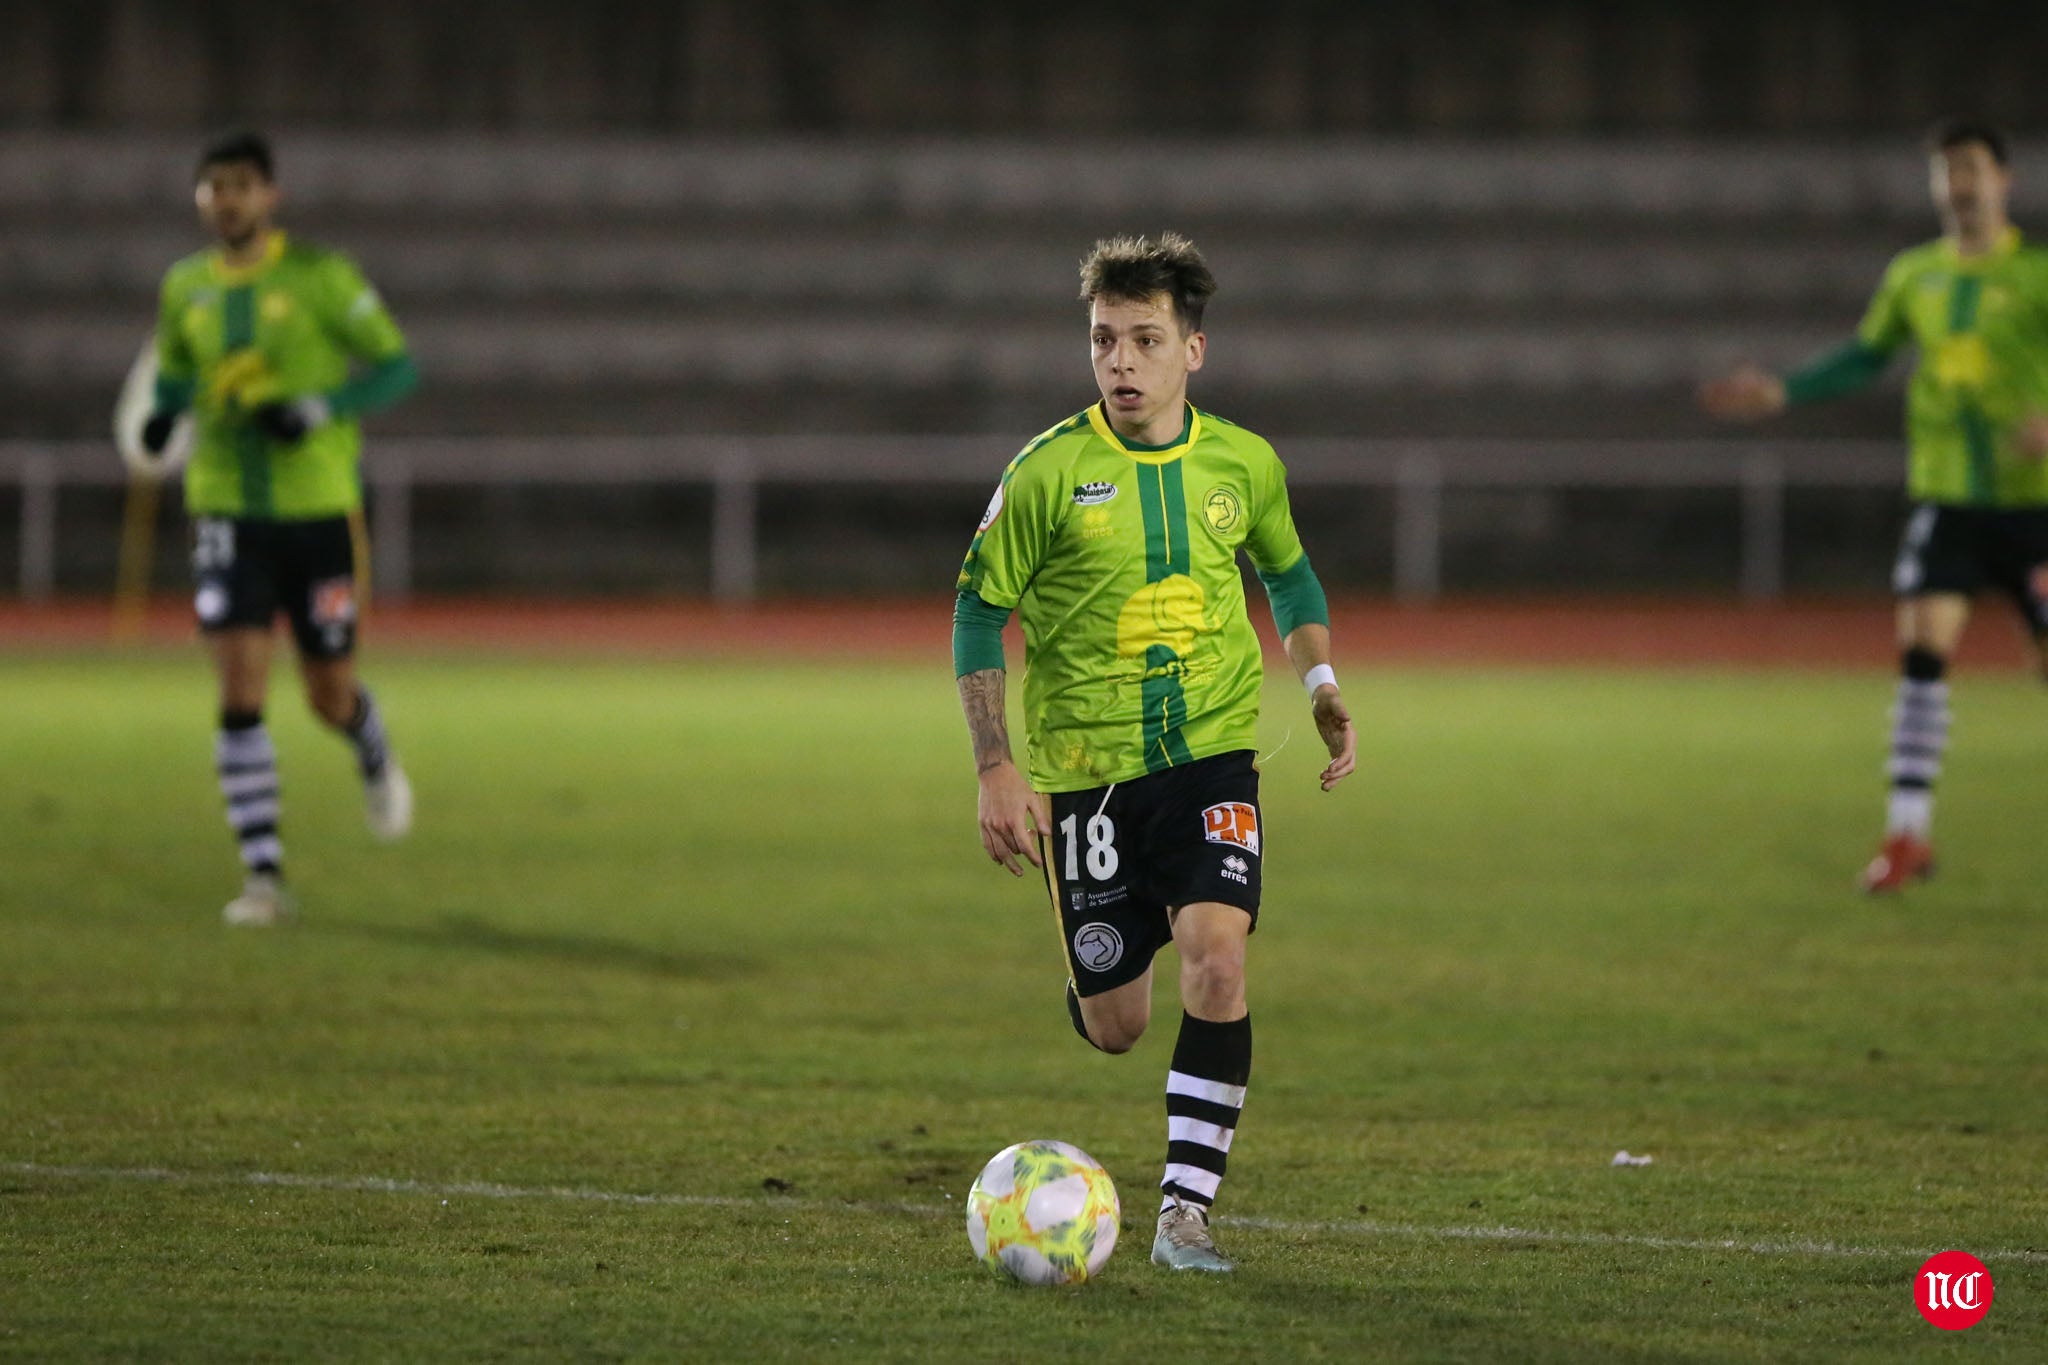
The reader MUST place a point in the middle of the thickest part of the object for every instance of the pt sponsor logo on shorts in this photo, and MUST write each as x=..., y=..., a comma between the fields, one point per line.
x=334, y=601
x=1238, y=870
x=1233, y=822
x=334, y=610
x=1953, y=1290
x=1098, y=946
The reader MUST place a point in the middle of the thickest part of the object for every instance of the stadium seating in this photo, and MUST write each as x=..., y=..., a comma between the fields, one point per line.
x=1489, y=288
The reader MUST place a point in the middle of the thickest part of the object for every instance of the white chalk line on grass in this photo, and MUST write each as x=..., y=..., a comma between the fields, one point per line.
x=1351, y=1227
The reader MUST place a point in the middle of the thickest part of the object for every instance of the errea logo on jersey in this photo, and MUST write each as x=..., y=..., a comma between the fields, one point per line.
x=1090, y=494
x=1233, y=822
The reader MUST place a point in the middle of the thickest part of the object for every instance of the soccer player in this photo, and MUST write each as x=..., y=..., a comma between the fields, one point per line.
x=1975, y=305
x=277, y=347
x=1115, y=536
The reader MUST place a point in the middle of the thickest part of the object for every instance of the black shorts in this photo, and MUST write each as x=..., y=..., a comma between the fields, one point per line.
x=1947, y=549
x=1122, y=857
x=246, y=571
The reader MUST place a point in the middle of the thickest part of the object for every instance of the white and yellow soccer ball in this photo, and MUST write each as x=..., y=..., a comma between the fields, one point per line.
x=1043, y=1212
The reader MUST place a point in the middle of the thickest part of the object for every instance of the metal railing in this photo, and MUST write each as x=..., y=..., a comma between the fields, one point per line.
x=1418, y=474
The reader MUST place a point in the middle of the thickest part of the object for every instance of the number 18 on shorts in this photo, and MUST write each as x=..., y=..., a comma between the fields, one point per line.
x=1122, y=857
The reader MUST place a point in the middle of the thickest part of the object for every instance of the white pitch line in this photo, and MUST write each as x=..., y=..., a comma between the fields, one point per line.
x=1353, y=1227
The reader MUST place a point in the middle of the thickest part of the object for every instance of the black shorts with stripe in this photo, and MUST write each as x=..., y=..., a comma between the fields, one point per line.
x=246, y=571
x=1121, y=859
x=1954, y=549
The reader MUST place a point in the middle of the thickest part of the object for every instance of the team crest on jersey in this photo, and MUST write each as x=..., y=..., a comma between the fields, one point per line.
x=1222, y=510
x=1233, y=822
x=276, y=304
x=995, y=509
x=1090, y=494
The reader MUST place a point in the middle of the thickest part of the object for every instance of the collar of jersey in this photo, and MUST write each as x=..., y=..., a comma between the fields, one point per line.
x=2007, y=243
x=273, y=252
x=1144, y=454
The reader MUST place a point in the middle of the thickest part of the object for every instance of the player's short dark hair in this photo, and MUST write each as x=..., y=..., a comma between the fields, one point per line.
x=239, y=148
x=1133, y=269
x=1960, y=130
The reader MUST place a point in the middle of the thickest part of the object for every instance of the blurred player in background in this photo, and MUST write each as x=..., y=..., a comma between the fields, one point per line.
x=1115, y=536
x=1975, y=305
x=277, y=348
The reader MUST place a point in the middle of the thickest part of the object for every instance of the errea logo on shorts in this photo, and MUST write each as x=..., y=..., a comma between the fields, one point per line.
x=1953, y=1290
x=1233, y=822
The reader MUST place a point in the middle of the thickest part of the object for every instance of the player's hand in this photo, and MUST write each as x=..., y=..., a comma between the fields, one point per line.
x=1746, y=393
x=1333, y=723
x=2031, y=436
x=1013, y=818
x=156, y=432
x=289, y=421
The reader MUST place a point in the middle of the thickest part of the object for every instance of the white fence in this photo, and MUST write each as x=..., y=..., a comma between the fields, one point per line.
x=1418, y=474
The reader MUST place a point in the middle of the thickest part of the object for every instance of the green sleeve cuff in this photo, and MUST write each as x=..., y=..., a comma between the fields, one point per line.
x=977, y=634
x=1844, y=370
x=171, y=394
x=376, y=388
x=1297, y=597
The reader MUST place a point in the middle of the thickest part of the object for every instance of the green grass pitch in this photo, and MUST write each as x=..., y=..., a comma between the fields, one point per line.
x=722, y=935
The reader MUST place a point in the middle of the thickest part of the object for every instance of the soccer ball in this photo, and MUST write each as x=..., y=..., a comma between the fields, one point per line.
x=1043, y=1212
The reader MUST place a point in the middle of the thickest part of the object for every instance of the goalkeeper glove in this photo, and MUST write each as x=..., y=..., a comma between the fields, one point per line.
x=156, y=432
x=289, y=421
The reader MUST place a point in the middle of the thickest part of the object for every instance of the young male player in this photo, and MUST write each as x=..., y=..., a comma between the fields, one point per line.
x=1975, y=304
x=1115, y=535
x=277, y=347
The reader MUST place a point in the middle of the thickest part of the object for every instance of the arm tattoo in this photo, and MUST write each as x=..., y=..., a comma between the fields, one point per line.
x=981, y=697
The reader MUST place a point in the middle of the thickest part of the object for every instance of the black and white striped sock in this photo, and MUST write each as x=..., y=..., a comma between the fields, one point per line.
x=1919, y=735
x=248, y=780
x=365, y=731
x=1204, y=1095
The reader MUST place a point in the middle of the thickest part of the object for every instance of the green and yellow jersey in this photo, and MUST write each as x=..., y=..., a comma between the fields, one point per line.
x=230, y=340
x=1121, y=560
x=1980, y=325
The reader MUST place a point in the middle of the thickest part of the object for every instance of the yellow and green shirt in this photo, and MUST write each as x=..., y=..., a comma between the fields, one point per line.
x=1981, y=327
x=288, y=326
x=1121, y=560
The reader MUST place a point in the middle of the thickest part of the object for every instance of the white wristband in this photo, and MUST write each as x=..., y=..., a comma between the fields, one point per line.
x=1318, y=676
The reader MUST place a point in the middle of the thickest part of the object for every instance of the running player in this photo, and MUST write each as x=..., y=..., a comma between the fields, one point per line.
x=278, y=347
x=1115, y=535
x=1975, y=305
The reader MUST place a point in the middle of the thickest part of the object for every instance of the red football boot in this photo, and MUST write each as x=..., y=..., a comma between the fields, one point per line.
x=1904, y=858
